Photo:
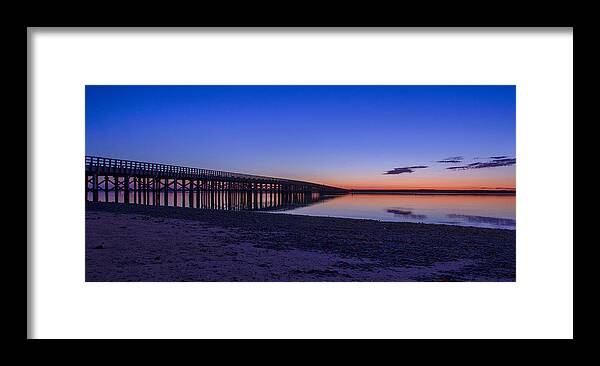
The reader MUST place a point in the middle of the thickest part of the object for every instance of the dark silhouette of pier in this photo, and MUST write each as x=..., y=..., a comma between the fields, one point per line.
x=127, y=181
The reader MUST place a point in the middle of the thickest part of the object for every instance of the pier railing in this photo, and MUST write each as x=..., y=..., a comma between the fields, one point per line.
x=139, y=166
x=103, y=165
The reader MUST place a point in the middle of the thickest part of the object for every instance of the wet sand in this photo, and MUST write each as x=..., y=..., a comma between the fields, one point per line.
x=147, y=243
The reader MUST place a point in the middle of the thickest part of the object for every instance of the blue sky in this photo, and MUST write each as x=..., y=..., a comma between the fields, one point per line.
x=343, y=135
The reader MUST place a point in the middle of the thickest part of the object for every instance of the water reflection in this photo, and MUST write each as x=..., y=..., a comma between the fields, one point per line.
x=406, y=213
x=465, y=210
x=497, y=221
x=490, y=211
x=234, y=201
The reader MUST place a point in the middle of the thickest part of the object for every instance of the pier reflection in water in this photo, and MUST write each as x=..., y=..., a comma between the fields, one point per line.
x=489, y=211
x=234, y=201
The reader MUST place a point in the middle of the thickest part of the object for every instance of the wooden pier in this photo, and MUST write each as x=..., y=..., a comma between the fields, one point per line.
x=136, y=182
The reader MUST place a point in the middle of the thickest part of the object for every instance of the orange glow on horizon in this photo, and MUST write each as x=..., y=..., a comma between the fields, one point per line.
x=478, y=184
x=431, y=188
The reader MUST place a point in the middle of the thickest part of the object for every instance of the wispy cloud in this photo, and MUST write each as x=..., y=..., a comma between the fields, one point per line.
x=452, y=159
x=406, y=169
x=495, y=162
x=492, y=157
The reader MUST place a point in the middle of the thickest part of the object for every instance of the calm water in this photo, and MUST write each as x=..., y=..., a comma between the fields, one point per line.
x=234, y=201
x=465, y=210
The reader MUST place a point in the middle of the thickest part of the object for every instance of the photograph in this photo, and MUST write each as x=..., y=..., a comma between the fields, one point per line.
x=300, y=183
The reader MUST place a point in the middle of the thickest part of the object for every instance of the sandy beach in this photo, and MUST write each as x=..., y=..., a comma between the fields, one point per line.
x=147, y=243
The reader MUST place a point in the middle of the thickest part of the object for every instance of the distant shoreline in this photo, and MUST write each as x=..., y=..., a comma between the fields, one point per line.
x=499, y=192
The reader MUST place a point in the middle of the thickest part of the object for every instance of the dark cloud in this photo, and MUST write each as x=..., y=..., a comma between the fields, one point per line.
x=399, y=171
x=452, y=159
x=492, y=157
x=406, y=169
x=496, y=162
